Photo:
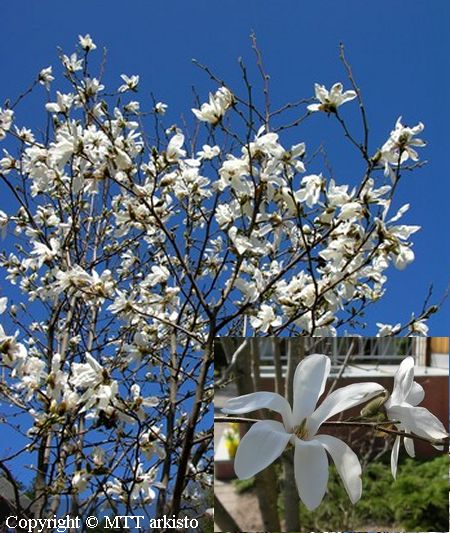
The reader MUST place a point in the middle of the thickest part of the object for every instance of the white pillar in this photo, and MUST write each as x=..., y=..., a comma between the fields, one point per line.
x=420, y=350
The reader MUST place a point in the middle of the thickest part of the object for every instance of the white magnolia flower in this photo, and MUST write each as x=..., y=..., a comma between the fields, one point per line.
x=91, y=86
x=160, y=108
x=267, y=144
x=85, y=375
x=159, y=274
x=351, y=210
x=6, y=118
x=266, y=440
x=98, y=456
x=45, y=77
x=70, y=400
x=72, y=63
x=402, y=407
x=123, y=303
x=402, y=139
x=3, y=304
x=80, y=481
x=42, y=253
x=265, y=319
x=244, y=244
x=151, y=443
x=7, y=164
x=208, y=152
x=115, y=488
x=12, y=352
x=310, y=193
x=174, y=150
x=101, y=398
x=25, y=135
x=332, y=99
x=94, y=285
x=32, y=372
x=399, y=147
x=338, y=195
x=213, y=111
x=418, y=327
x=141, y=487
x=132, y=107
x=86, y=42
x=139, y=401
x=387, y=330
x=62, y=105
x=131, y=83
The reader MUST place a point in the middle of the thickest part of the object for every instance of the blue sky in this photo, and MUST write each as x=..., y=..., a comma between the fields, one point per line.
x=398, y=50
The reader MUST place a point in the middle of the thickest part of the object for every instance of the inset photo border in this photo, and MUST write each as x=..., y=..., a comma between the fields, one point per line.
x=344, y=433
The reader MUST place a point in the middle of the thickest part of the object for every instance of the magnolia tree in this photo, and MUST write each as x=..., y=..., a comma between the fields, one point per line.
x=131, y=244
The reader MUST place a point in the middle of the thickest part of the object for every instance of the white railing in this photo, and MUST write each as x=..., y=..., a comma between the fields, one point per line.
x=363, y=350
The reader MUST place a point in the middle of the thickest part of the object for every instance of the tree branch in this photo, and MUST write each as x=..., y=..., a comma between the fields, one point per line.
x=378, y=426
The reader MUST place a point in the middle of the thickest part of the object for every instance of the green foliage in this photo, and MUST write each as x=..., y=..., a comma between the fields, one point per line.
x=206, y=525
x=205, y=522
x=416, y=501
x=421, y=496
x=244, y=485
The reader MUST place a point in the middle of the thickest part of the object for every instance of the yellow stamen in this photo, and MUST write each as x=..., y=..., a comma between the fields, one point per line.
x=300, y=431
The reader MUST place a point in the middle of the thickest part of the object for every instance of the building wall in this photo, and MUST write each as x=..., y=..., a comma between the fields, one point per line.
x=439, y=344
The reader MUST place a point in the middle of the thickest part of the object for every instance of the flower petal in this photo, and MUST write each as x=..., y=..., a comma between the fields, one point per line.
x=260, y=400
x=394, y=456
x=347, y=96
x=311, y=472
x=418, y=420
x=336, y=92
x=321, y=93
x=347, y=465
x=309, y=383
x=340, y=400
x=409, y=446
x=403, y=381
x=416, y=394
x=260, y=446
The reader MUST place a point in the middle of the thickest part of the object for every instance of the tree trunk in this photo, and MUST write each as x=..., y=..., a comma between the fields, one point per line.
x=296, y=352
x=247, y=379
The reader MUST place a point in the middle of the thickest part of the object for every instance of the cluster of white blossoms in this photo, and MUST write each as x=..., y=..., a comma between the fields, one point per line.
x=75, y=388
x=141, y=487
x=267, y=439
x=123, y=240
x=6, y=119
x=304, y=246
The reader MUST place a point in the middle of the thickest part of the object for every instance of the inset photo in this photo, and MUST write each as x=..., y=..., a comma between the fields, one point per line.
x=331, y=433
